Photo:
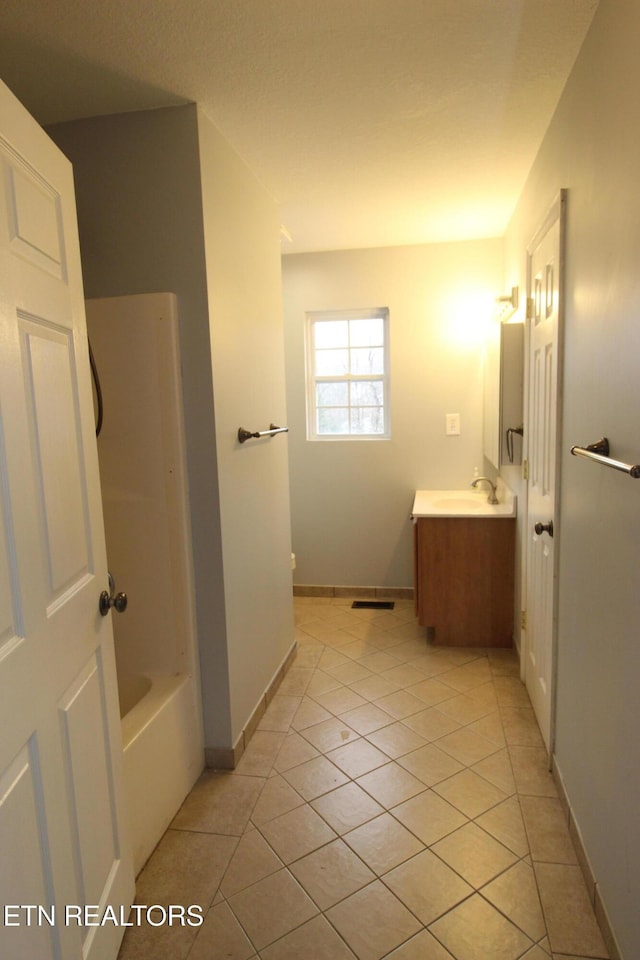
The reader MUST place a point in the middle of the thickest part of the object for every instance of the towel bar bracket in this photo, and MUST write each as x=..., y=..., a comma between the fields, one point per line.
x=600, y=447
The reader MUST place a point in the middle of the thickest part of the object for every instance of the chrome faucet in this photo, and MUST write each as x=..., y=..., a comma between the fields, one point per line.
x=492, y=492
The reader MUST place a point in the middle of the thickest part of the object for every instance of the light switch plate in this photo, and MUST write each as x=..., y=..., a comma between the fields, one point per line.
x=452, y=424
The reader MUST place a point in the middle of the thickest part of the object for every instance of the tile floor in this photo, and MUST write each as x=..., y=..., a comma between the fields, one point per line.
x=394, y=802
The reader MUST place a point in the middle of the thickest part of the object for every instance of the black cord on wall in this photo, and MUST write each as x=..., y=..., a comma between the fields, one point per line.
x=98, y=389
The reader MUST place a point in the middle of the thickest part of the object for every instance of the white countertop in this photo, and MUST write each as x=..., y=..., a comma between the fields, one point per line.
x=464, y=503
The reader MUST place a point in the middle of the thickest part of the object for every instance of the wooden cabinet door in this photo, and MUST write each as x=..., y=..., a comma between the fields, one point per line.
x=465, y=580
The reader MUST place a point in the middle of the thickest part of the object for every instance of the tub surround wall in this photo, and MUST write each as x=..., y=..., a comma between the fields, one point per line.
x=592, y=148
x=144, y=483
x=148, y=533
x=350, y=499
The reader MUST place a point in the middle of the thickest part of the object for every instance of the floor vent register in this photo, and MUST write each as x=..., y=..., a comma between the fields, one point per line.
x=372, y=605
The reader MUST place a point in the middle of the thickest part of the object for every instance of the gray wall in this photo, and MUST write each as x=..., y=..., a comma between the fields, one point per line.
x=351, y=500
x=593, y=148
x=166, y=205
x=245, y=317
x=139, y=201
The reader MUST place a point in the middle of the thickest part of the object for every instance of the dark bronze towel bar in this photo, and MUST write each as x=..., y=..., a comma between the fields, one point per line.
x=271, y=432
x=599, y=452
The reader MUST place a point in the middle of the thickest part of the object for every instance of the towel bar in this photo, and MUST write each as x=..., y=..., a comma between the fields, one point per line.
x=271, y=432
x=599, y=452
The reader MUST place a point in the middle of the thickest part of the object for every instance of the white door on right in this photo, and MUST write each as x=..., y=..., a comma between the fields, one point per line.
x=544, y=406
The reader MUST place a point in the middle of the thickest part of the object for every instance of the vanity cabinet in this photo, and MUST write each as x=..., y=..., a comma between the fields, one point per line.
x=464, y=579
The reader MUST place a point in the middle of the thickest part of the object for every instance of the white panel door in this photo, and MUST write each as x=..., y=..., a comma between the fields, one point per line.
x=61, y=813
x=543, y=435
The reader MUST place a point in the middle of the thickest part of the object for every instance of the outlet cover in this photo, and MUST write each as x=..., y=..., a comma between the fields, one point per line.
x=452, y=424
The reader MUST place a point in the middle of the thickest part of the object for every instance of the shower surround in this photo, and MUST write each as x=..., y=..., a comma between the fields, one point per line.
x=145, y=502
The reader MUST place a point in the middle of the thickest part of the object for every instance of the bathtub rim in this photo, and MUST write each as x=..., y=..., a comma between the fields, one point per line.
x=164, y=688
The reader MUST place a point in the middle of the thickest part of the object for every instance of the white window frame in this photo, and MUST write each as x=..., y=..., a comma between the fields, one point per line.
x=318, y=316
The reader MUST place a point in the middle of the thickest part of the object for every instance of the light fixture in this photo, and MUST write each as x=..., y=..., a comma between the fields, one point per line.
x=509, y=301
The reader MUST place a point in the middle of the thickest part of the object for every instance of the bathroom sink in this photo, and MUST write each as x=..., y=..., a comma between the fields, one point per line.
x=463, y=503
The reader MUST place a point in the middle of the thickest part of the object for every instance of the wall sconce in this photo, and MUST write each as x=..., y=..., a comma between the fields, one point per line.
x=509, y=302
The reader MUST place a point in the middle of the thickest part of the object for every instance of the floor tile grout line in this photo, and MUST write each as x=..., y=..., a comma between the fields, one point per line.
x=466, y=766
x=428, y=787
x=380, y=877
x=424, y=927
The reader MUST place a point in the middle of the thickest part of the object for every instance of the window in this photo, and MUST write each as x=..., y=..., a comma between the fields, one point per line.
x=348, y=374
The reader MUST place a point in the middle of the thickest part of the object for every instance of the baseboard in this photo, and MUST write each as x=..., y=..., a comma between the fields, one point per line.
x=223, y=758
x=227, y=758
x=583, y=859
x=347, y=593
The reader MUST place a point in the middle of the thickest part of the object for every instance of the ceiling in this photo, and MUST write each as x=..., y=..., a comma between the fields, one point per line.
x=372, y=122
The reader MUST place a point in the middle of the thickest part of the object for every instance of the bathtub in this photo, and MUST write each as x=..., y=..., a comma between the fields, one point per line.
x=162, y=758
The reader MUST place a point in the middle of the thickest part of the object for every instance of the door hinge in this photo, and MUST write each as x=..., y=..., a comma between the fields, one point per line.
x=530, y=308
x=525, y=469
x=523, y=619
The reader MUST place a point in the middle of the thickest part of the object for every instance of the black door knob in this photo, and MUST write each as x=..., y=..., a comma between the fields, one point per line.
x=544, y=528
x=119, y=602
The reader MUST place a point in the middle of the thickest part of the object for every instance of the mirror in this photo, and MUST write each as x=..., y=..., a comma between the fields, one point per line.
x=503, y=394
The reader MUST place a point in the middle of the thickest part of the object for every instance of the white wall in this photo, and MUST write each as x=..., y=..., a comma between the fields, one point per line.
x=241, y=229
x=351, y=500
x=593, y=148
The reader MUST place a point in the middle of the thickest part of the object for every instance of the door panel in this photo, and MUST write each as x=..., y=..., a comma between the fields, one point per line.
x=61, y=806
x=49, y=379
x=35, y=224
x=544, y=405
x=87, y=763
x=25, y=878
x=11, y=621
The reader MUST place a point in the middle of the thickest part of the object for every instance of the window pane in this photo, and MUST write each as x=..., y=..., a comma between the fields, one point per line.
x=367, y=420
x=366, y=333
x=347, y=370
x=332, y=362
x=331, y=333
x=367, y=393
x=332, y=394
x=367, y=360
x=333, y=420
